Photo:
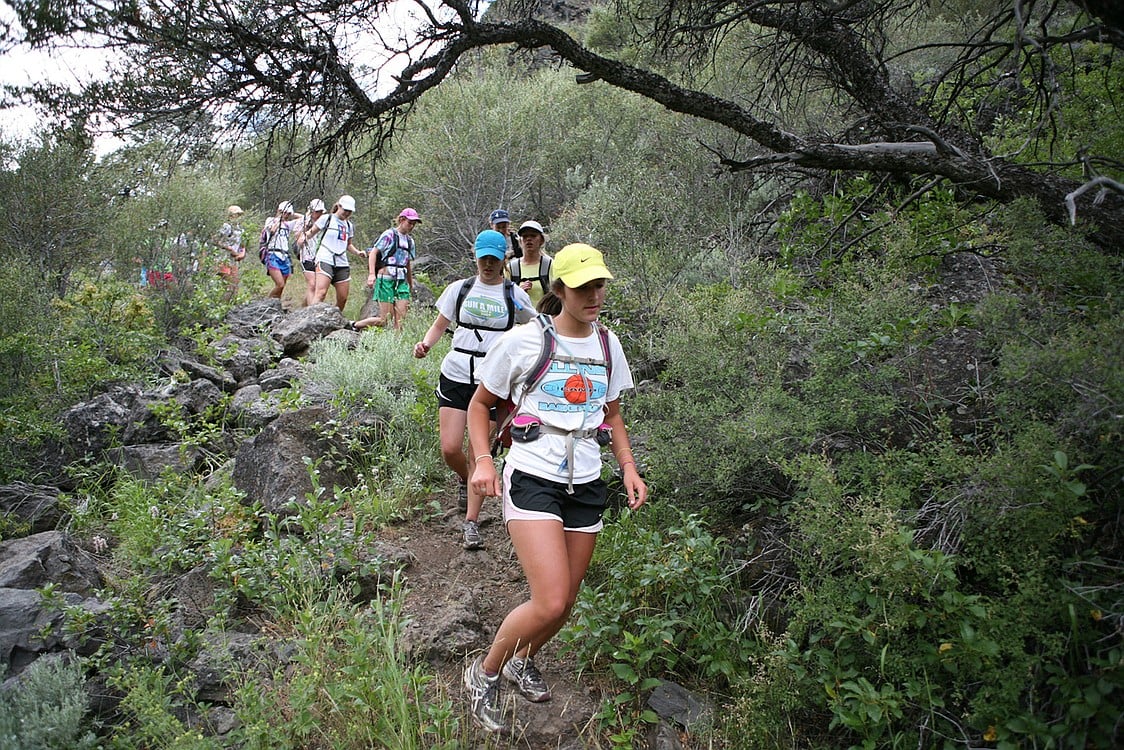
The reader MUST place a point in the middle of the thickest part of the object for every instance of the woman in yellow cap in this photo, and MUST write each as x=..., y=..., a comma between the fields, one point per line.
x=567, y=407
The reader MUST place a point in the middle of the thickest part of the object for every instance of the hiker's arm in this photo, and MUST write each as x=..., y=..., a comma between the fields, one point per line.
x=410, y=274
x=372, y=259
x=634, y=486
x=484, y=477
x=432, y=336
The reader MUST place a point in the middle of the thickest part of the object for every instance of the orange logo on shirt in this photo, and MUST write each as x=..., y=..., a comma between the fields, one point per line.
x=576, y=389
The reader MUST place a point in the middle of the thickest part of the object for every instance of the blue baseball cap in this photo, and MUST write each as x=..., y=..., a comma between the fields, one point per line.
x=499, y=215
x=491, y=243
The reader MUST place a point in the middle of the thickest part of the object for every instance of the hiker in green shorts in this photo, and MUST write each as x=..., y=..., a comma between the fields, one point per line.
x=390, y=265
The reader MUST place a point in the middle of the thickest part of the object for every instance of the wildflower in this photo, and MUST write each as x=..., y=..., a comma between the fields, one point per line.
x=991, y=735
x=946, y=646
x=1096, y=614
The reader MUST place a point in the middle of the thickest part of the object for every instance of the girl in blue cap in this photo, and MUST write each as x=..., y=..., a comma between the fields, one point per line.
x=482, y=307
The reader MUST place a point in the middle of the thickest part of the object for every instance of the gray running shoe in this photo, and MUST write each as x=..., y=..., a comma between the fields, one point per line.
x=484, y=696
x=472, y=538
x=527, y=678
x=462, y=496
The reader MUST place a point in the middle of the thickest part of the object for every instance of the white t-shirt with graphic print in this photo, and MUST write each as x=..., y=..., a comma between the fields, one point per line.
x=484, y=305
x=334, y=236
x=569, y=397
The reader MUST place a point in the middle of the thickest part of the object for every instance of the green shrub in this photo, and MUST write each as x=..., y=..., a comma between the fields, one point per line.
x=655, y=601
x=46, y=710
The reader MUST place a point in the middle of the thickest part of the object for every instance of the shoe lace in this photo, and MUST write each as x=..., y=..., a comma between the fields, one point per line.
x=532, y=675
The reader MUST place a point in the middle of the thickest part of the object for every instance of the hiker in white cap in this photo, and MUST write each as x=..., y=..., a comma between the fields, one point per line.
x=334, y=236
x=276, y=234
x=531, y=271
x=307, y=250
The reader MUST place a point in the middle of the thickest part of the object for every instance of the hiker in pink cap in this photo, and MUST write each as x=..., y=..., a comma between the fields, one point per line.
x=390, y=265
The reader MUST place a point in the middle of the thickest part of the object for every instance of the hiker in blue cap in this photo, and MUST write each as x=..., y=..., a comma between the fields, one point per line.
x=500, y=221
x=482, y=307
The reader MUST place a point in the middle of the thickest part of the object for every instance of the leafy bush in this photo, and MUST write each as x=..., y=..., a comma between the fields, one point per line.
x=655, y=601
x=46, y=709
x=655, y=604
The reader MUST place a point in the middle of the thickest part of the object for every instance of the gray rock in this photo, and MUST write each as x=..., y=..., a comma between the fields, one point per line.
x=451, y=629
x=284, y=375
x=678, y=704
x=33, y=505
x=270, y=468
x=255, y=317
x=253, y=409
x=48, y=557
x=148, y=462
x=91, y=426
x=146, y=425
x=297, y=331
x=27, y=628
x=244, y=357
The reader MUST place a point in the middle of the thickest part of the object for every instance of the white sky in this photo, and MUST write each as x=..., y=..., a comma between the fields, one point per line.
x=70, y=66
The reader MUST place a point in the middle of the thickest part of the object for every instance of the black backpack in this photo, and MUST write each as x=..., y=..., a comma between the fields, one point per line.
x=509, y=297
x=381, y=255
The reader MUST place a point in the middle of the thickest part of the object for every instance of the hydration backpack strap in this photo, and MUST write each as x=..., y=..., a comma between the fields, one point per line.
x=571, y=436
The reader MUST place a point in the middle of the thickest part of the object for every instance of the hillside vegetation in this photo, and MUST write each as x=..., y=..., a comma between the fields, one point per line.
x=881, y=420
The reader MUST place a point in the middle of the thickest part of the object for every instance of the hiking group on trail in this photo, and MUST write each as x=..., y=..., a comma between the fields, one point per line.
x=531, y=370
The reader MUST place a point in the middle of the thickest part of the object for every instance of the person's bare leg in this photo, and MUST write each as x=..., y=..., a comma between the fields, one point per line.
x=342, y=289
x=400, y=308
x=320, y=290
x=544, y=551
x=309, y=288
x=278, y=282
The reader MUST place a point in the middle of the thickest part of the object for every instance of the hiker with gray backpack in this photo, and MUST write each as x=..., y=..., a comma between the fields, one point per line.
x=563, y=376
x=482, y=307
x=273, y=246
x=531, y=270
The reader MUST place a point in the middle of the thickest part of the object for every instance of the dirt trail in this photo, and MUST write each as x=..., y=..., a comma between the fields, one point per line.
x=459, y=598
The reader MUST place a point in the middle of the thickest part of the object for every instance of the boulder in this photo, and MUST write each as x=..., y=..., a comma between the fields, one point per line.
x=286, y=373
x=35, y=506
x=244, y=358
x=93, y=425
x=253, y=409
x=175, y=364
x=146, y=423
x=148, y=462
x=297, y=331
x=270, y=468
x=50, y=557
x=27, y=628
x=254, y=318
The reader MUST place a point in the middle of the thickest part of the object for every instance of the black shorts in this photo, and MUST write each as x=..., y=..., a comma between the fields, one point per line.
x=454, y=395
x=532, y=496
x=338, y=274
x=309, y=265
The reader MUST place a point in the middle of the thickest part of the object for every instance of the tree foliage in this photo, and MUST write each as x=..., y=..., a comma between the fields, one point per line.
x=239, y=67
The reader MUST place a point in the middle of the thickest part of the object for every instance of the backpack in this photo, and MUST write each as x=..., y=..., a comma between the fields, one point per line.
x=508, y=409
x=509, y=297
x=515, y=268
x=381, y=255
x=264, y=239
